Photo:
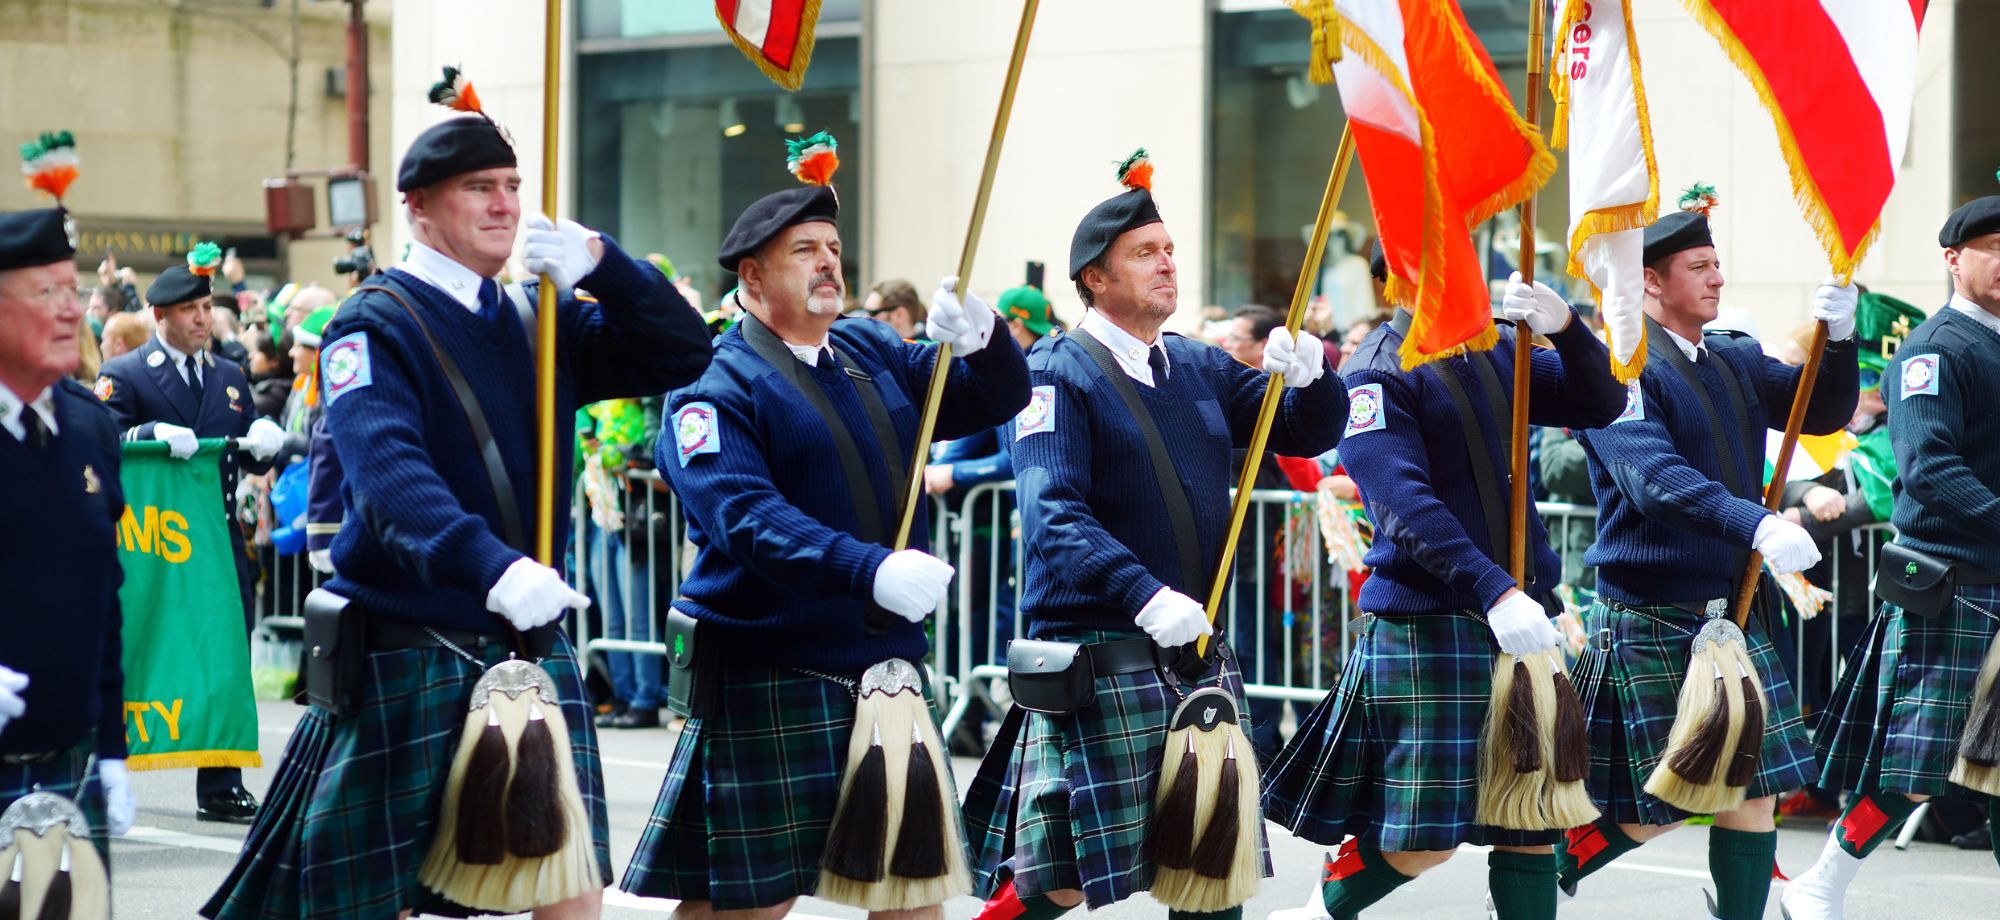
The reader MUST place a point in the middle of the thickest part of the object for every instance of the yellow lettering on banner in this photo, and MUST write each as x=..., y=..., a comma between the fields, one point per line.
x=169, y=521
x=173, y=717
x=138, y=538
x=136, y=717
x=162, y=533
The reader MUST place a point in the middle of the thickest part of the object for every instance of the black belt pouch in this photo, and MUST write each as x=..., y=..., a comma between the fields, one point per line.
x=691, y=682
x=1917, y=582
x=334, y=649
x=1053, y=678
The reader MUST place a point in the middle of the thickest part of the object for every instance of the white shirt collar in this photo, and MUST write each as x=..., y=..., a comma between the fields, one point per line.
x=11, y=407
x=179, y=357
x=1126, y=347
x=807, y=353
x=1691, y=349
x=1977, y=312
x=439, y=271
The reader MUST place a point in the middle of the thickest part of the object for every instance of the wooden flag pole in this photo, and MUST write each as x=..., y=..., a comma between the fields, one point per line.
x=545, y=312
x=1517, y=516
x=913, y=490
x=1774, y=493
x=1274, y=389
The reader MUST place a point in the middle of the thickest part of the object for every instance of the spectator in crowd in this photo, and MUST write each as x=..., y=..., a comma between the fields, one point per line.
x=226, y=326
x=124, y=332
x=302, y=408
x=1355, y=335
x=97, y=310
x=91, y=357
x=270, y=375
x=895, y=302
x=304, y=303
x=1565, y=474
x=1026, y=310
x=609, y=432
x=120, y=286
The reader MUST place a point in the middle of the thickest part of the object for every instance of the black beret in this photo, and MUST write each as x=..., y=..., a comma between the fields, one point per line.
x=40, y=237
x=1114, y=216
x=1972, y=220
x=1378, y=264
x=1676, y=232
x=176, y=285
x=768, y=216
x=451, y=148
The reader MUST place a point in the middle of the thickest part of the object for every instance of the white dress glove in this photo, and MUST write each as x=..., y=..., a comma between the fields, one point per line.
x=1536, y=306
x=1835, y=304
x=263, y=439
x=321, y=560
x=1174, y=619
x=1302, y=361
x=530, y=594
x=181, y=442
x=12, y=682
x=1785, y=545
x=1521, y=626
x=559, y=250
x=911, y=583
x=966, y=324
x=119, y=808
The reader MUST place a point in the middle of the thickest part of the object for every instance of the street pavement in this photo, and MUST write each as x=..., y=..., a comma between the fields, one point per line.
x=171, y=863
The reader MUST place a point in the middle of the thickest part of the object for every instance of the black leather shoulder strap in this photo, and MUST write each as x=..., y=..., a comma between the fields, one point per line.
x=869, y=386
x=866, y=508
x=1660, y=344
x=1179, y=512
x=515, y=534
x=1485, y=479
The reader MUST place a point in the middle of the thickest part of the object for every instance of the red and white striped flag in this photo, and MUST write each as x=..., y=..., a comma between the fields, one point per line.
x=1614, y=184
x=776, y=35
x=1837, y=77
x=1443, y=150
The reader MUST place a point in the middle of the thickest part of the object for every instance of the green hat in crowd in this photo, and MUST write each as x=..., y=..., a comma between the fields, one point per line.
x=1029, y=305
x=311, y=329
x=1881, y=323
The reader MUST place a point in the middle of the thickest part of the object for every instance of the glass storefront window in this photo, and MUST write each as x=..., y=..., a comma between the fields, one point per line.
x=676, y=142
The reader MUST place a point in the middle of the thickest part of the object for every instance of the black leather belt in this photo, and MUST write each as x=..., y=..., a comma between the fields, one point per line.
x=1125, y=656
x=1971, y=577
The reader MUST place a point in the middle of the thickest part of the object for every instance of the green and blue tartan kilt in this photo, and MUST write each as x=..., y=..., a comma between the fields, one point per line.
x=750, y=792
x=1391, y=756
x=1895, y=718
x=1631, y=690
x=65, y=775
x=1070, y=800
x=349, y=818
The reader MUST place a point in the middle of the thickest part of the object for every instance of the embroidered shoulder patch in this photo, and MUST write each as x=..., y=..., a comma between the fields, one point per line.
x=1635, y=405
x=344, y=365
x=695, y=431
x=1920, y=375
x=104, y=388
x=1039, y=415
x=1365, y=411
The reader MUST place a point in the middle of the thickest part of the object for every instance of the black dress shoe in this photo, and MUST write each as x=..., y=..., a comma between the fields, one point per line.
x=237, y=806
x=606, y=718
x=636, y=718
x=1979, y=838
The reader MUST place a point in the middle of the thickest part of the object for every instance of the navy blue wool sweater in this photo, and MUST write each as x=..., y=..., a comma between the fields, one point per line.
x=1668, y=528
x=1947, y=448
x=781, y=575
x=423, y=538
x=1096, y=534
x=60, y=621
x=1406, y=449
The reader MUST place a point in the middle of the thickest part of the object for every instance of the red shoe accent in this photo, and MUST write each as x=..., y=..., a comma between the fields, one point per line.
x=1585, y=843
x=1005, y=905
x=1862, y=822
x=1777, y=873
x=1347, y=863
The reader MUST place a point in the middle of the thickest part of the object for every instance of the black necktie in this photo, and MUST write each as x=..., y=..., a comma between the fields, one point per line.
x=1157, y=359
x=489, y=300
x=37, y=432
x=193, y=378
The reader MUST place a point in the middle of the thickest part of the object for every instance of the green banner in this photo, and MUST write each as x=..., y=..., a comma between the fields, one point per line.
x=188, y=701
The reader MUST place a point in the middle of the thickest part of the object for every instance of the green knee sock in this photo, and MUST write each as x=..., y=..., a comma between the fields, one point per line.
x=1871, y=819
x=1234, y=913
x=1740, y=863
x=1523, y=885
x=1586, y=849
x=1358, y=878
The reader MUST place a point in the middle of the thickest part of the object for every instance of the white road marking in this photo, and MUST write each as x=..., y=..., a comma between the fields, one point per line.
x=162, y=836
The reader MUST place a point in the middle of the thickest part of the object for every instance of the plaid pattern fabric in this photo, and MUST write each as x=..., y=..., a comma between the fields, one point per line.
x=65, y=776
x=1895, y=718
x=1077, y=791
x=1631, y=690
x=1392, y=754
x=750, y=793
x=350, y=815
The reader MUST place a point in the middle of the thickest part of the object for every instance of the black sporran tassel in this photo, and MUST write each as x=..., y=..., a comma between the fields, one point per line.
x=1521, y=733
x=534, y=800
x=1170, y=841
x=1215, y=855
x=10, y=892
x=920, y=838
x=55, y=903
x=860, y=831
x=1696, y=760
x=481, y=833
x=1749, y=741
x=1572, y=741
x=1980, y=745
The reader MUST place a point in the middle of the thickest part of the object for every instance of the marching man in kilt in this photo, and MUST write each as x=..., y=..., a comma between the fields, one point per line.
x=1391, y=757
x=789, y=456
x=1123, y=459
x=1678, y=479
x=432, y=562
x=1892, y=731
